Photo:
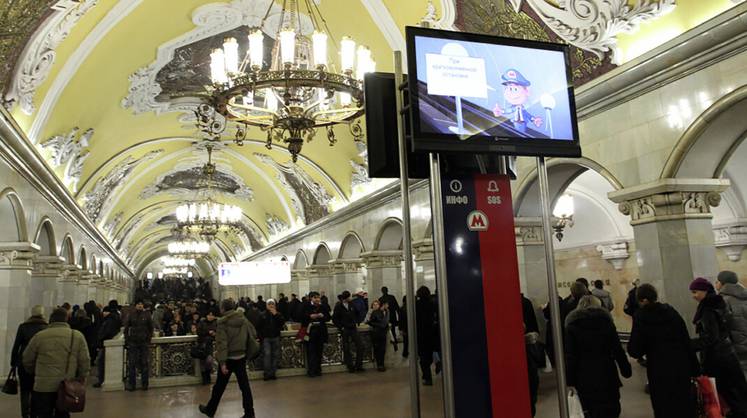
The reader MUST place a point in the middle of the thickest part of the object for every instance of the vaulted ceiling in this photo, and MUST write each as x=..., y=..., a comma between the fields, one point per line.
x=107, y=88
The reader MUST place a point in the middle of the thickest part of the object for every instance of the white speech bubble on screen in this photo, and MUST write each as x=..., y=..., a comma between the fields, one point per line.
x=454, y=73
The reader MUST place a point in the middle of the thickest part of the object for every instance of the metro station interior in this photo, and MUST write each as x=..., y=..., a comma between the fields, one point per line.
x=121, y=119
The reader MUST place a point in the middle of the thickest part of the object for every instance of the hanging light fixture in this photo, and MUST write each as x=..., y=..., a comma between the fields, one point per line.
x=563, y=215
x=297, y=92
x=189, y=248
x=178, y=262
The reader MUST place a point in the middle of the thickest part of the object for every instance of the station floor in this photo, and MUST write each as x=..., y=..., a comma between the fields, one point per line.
x=339, y=395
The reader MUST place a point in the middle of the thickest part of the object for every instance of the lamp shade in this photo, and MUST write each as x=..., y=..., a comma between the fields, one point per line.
x=218, y=66
x=256, y=48
x=347, y=54
x=288, y=45
x=564, y=207
x=319, y=42
x=231, y=53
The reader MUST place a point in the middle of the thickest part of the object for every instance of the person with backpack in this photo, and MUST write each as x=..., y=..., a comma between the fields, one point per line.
x=235, y=343
x=735, y=296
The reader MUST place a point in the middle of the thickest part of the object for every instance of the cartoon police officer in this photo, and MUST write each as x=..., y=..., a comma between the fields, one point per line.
x=516, y=93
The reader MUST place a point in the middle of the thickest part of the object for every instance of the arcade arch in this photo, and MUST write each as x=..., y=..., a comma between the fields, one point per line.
x=45, y=238
x=11, y=207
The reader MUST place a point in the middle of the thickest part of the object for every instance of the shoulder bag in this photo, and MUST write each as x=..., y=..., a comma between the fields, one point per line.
x=11, y=383
x=71, y=394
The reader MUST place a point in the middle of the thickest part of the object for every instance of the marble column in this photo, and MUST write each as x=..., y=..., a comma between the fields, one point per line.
x=530, y=249
x=425, y=265
x=300, y=282
x=68, y=285
x=16, y=260
x=384, y=268
x=674, y=238
x=47, y=272
x=320, y=279
x=347, y=275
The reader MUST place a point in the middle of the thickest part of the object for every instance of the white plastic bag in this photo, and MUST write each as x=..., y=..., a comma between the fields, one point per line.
x=575, y=410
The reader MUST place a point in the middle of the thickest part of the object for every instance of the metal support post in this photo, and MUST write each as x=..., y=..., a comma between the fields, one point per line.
x=557, y=326
x=407, y=242
x=439, y=248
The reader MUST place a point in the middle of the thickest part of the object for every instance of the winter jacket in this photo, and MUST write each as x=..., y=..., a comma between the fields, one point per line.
x=231, y=336
x=203, y=332
x=393, y=307
x=138, y=328
x=660, y=334
x=318, y=331
x=379, y=322
x=345, y=318
x=361, y=308
x=25, y=332
x=593, y=356
x=47, y=355
x=425, y=324
x=631, y=303
x=735, y=296
x=110, y=327
x=270, y=325
x=605, y=297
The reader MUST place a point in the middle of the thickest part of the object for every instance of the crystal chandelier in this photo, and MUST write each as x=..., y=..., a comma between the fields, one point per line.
x=298, y=91
x=172, y=271
x=189, y=248
x=206, y=217
x=178, y=262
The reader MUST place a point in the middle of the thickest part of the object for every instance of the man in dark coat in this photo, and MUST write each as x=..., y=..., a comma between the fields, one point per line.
x=283, y=307
x=110, y=326
x=271, y=324
x=735, y=296
x=25, y=332
x=425, y=314
x=295, y=312
x=593, y=356
x=138, y=330
x=660, y=334
x=717, y=354
x=315, y=318
x=345, y=318
x=393, y=313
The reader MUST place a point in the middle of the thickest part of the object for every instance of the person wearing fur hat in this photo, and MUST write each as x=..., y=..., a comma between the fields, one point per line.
x=735, y=296
x=717, y=355
x=25, y=332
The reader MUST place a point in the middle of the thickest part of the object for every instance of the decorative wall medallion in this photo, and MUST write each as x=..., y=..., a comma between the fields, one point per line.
x=33, y=67
x=616, y=253
x=731, y=238
x=68, y=152
x=191, y=63
x=96, y=199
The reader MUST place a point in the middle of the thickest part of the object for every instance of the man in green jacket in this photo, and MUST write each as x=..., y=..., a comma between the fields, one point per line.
x=232, y=344
x=53, y=355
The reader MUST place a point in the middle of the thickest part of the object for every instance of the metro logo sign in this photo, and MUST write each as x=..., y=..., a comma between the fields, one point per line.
x=477, y=221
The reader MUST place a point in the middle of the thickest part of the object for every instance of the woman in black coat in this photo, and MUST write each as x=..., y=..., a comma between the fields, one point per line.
x=660, y=334
x=425, y=325
x=592, y=349
x=717, y=354
x=379, y=323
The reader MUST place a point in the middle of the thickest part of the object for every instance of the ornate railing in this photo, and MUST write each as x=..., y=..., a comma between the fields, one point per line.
x=172, y=365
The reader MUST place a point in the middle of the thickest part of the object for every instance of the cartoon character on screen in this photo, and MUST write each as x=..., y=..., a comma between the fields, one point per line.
x=516, y=93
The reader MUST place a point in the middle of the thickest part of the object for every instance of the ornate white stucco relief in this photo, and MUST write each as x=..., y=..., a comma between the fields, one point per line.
x=275, y=225
x=594, y=25
x=39, y=55
x=68, y=151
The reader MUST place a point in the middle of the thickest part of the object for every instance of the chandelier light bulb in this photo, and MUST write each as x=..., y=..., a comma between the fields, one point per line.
x=364, y=61
x=323, y=101
x=288, y=46
x=345, y=99
x=347, y=54
x=319, y=41
x=256, y=48
x=271, y=101
x=564, y=207
x=218, y=66
x=231, y=53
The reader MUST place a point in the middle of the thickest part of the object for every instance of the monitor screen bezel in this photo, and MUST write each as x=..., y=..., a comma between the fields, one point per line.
x=442, y=142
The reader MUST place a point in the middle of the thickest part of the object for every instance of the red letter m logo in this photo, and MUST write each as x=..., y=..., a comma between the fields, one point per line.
x=477, y=221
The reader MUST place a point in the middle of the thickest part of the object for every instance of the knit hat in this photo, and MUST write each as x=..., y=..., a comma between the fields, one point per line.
x=271, y=301
x=727, y=277
x=37, y=310
x=701, y=284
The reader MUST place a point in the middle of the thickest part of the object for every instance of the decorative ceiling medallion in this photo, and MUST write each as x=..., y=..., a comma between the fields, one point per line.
x=594, y=25
x=69, y=153
x=210, y=20
x=184, y=180
x=34, y=66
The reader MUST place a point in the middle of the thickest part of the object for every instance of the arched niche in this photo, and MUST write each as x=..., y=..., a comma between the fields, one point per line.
x=389, y=237
x=45, y=238
x=13, y=228
x=82, y=258
x=300, y=262
x=321, y=255
x=67, y=251
x=93, y=265
x=351, y=247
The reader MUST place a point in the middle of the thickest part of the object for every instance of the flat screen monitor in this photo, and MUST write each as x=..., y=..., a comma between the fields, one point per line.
x=486, y=94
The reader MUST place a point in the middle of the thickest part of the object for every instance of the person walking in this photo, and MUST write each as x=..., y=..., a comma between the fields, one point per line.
x=25, y=333
x=393, y=313
x=567, y=305
x=603, y=295
x=593, y=355
x=631, y=303
x=717, y=356
x=138, y=330
x=271, y=324
x=535, y=355
x=425, y=328
x=232, y=346
x=660, y=334
x=379, y=323
x=110, y=327
x=315, y=318
x=206, y=331
x=735, y=296
x=345, y=318
x=54, y=354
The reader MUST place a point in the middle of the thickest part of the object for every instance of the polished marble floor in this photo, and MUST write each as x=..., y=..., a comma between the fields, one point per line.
x=341, y=395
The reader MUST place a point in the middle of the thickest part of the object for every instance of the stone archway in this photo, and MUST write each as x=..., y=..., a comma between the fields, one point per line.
x=11, y=207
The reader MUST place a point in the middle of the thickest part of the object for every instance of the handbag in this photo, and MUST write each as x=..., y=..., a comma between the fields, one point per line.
x=252, y=345
x=11, y=383
x=303, y=334
x=575, y=410
x=198, y=351
x=71, y=394
x=708, y=402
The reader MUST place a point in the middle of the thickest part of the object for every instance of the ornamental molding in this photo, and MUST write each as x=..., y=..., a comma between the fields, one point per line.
x=210, y=20
x=615, y=253
x=382, y=259
x=48, y=266
x=423, y=250
x=343, y=266
x=69, y=152
x=528, y=231
x=275, y=225
x=594, y=25
x=360, y=175
x=17, y=255
x=732, y=238
x=40, y=54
